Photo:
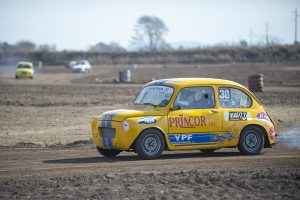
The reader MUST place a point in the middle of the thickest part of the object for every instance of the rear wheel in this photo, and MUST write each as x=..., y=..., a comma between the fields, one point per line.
x=17, y=77
x=251, y=141
x=150, y=144
x=108, y=152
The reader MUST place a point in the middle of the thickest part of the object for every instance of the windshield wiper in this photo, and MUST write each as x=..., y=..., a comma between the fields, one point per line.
x=151, y=104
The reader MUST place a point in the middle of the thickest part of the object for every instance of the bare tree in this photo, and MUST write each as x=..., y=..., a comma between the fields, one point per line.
x=25, y=45
x=148, y=34
x=46, y=47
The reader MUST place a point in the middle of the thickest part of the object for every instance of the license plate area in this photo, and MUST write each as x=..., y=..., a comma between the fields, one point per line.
x=108, y=132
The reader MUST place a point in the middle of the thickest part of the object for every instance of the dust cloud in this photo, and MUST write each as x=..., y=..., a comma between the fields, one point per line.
x=290, y=137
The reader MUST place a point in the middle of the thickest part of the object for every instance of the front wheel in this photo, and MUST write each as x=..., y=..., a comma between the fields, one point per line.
x=150, y=144
x=108, y=152
x=251, y=141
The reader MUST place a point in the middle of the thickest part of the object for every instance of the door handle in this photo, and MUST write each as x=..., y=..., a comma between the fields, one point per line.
x=215, y=111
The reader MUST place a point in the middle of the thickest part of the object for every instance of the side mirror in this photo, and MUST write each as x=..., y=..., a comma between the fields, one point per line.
x=175, y=108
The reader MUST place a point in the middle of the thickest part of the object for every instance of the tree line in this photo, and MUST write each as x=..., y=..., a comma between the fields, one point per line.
x=148, y=37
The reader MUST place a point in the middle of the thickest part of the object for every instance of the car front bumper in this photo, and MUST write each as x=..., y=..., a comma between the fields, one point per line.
x=111, y=135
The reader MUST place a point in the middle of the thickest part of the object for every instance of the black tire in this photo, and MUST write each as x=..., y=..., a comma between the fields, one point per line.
x=251, y=141
x=17, y=77
x=207, y=151
x=108, y=152
x=150, y=144
x=31, y=77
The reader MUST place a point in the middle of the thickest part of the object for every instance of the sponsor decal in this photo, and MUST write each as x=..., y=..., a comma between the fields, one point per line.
x=188, y=121
x=272, y=133
x=243, y=101
x=263, y=116
x=160, y=82
x=164, y=89
x=233, y=103
x=163, y=82
x=177, y=139
x=223, y=137
x=236, y=116
x=200, y=138
x=125, y=126
x=147, y=120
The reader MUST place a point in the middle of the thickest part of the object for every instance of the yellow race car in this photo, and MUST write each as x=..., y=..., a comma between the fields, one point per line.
x=24, y=70
x=186, y=114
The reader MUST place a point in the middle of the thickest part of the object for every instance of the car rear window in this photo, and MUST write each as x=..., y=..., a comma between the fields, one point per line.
x=24, y=66
x=233, y=98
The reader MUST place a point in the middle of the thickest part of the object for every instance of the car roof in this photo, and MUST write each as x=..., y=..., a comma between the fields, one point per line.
x=24, y=63
x=183, y=82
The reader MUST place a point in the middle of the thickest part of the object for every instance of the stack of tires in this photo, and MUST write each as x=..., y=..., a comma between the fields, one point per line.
x=125, y=76
x=256, y=83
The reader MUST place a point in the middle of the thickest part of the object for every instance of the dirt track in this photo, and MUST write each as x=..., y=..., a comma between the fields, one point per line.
x=79, y=172
x=43, y=119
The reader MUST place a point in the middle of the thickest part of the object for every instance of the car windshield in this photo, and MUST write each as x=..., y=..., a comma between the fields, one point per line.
x=24, y=66
x=155, y=96
x=80, y=62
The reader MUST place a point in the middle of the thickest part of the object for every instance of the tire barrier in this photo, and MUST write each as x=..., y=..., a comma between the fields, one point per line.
x=256, y=83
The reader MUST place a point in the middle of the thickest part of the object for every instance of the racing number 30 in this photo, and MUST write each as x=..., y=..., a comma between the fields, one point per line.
x=224, y=94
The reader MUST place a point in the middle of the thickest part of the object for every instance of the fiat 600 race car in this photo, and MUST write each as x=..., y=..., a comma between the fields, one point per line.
x=185, y=114
x=24, y=70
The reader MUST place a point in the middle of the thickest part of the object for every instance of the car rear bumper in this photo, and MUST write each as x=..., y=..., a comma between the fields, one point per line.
x=24, y=74
x=77, y=70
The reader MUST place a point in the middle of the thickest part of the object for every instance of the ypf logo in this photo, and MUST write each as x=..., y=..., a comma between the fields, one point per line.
x=183, y=138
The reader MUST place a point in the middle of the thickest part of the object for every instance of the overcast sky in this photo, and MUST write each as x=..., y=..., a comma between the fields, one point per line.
x=78, y=24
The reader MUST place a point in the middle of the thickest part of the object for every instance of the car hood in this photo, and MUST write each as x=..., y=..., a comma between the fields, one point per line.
x=122, y=114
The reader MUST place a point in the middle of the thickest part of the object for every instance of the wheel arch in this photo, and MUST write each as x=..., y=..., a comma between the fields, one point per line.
x=263, y=130
x=148, y=128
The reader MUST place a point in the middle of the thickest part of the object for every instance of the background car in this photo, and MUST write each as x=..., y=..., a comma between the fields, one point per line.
x=24, y=70
x=81, y=66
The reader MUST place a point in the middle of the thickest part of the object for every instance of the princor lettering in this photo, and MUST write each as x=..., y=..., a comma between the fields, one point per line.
x=187, y=121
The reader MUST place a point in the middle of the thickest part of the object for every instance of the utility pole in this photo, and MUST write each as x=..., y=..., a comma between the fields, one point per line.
x=267, y=34
x=250, y=37
x=295, y=19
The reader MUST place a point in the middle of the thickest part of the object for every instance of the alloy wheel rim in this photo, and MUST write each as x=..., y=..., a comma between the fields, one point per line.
x=252, y=141
x=151, y=144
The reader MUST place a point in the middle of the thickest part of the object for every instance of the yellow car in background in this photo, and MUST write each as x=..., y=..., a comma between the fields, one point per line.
x=186, y=114
x=24, y=70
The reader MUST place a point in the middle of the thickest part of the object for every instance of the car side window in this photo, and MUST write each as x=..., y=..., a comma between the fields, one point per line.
x=233, y=98
x=195, y=98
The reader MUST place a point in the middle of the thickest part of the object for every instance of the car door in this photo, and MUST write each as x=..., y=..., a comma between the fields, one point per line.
x=194, y=118
x=235, y=111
